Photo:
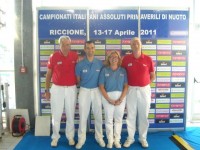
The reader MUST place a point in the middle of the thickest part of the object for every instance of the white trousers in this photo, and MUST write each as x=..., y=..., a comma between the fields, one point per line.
x=138, y=105
x=86, y=98
x=63, y=97
x=113, y=113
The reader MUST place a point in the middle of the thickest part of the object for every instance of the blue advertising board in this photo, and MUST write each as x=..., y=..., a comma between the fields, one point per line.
x=164, y=35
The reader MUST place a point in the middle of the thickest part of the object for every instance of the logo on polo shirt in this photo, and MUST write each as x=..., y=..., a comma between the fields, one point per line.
x=59, y=62
x=130, y=64
x=121, y=74
x=85, y=70
x=144, y=65
x=107, y=74
x=73, y=62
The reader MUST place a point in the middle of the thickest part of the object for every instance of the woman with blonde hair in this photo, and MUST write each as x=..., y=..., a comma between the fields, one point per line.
x=113, y=86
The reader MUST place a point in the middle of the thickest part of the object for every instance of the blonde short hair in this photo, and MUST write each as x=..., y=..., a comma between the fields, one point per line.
x=107, y=62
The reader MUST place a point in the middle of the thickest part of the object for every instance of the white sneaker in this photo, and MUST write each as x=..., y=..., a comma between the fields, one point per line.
x=144, y=143
x=71, y=142
x=79, y=145
x=109, y=145
x=117, y=144
x=54, y=142
x=101, y=142
x=128, y=143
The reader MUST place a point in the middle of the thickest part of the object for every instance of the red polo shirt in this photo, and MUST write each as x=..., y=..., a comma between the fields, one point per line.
x=63, y=68
x=138, y=69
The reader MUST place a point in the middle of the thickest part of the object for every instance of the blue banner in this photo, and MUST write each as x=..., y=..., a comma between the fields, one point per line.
x=164, y=35
x=164, y=24
x=54, y=23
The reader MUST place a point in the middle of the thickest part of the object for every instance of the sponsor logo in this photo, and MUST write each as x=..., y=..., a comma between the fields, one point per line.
x=126, y=42
x=153, y=95
x=176, y=79
x=181, y=42
x=176, y=110
x=177, y=90
x=162, y=111
x=163, y=95
x=163, y=79
x=176, y=121
x=153, y=100
x=78, y=41
x=162, y=120
x=162, y=85
x=163, y=100
x=162, y=105
x=178, y=74
x=164, y=63
x=177, y=105
x=178, y=58
x=179, y=53
x=162, y=115
x=151, y=121
x=164, y=47
x=152, y=111
x=178, y=85
x=175, y=116
x=161, y=90
x=153, y=105
x=178, y=69
x=163, y=52
x=177, y=100
x=179, y=47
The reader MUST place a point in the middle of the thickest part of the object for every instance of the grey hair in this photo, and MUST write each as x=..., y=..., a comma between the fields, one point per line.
x=64, y=37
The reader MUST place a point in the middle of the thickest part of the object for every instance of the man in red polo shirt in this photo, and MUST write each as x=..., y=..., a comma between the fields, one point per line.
x=140, y=73
x=63, y=92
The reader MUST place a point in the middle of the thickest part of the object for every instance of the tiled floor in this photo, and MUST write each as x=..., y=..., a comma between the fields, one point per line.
x=8, y=142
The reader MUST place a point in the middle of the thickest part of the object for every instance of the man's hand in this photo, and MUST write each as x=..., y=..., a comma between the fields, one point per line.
x=47, y=96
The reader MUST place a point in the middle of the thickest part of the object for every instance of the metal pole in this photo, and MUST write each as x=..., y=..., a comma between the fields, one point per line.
x=1, y=121
x=139, y=22
x=22, y=39
x=7, y=106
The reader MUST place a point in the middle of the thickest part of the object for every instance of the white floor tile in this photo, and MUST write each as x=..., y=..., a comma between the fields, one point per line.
x=8, y=142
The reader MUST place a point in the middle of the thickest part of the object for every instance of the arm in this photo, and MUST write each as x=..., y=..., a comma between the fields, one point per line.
x=105, y=95
x=125, y=89
x=48, y=81
x=77, y=72
x=152, y=76
x=78, y=80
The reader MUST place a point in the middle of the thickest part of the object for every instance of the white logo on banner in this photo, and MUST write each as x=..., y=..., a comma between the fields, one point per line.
x=176, y=120
x=177, y=110
x=177, y=100
x=178, y=69
x=161, y=111
x=177, y=89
